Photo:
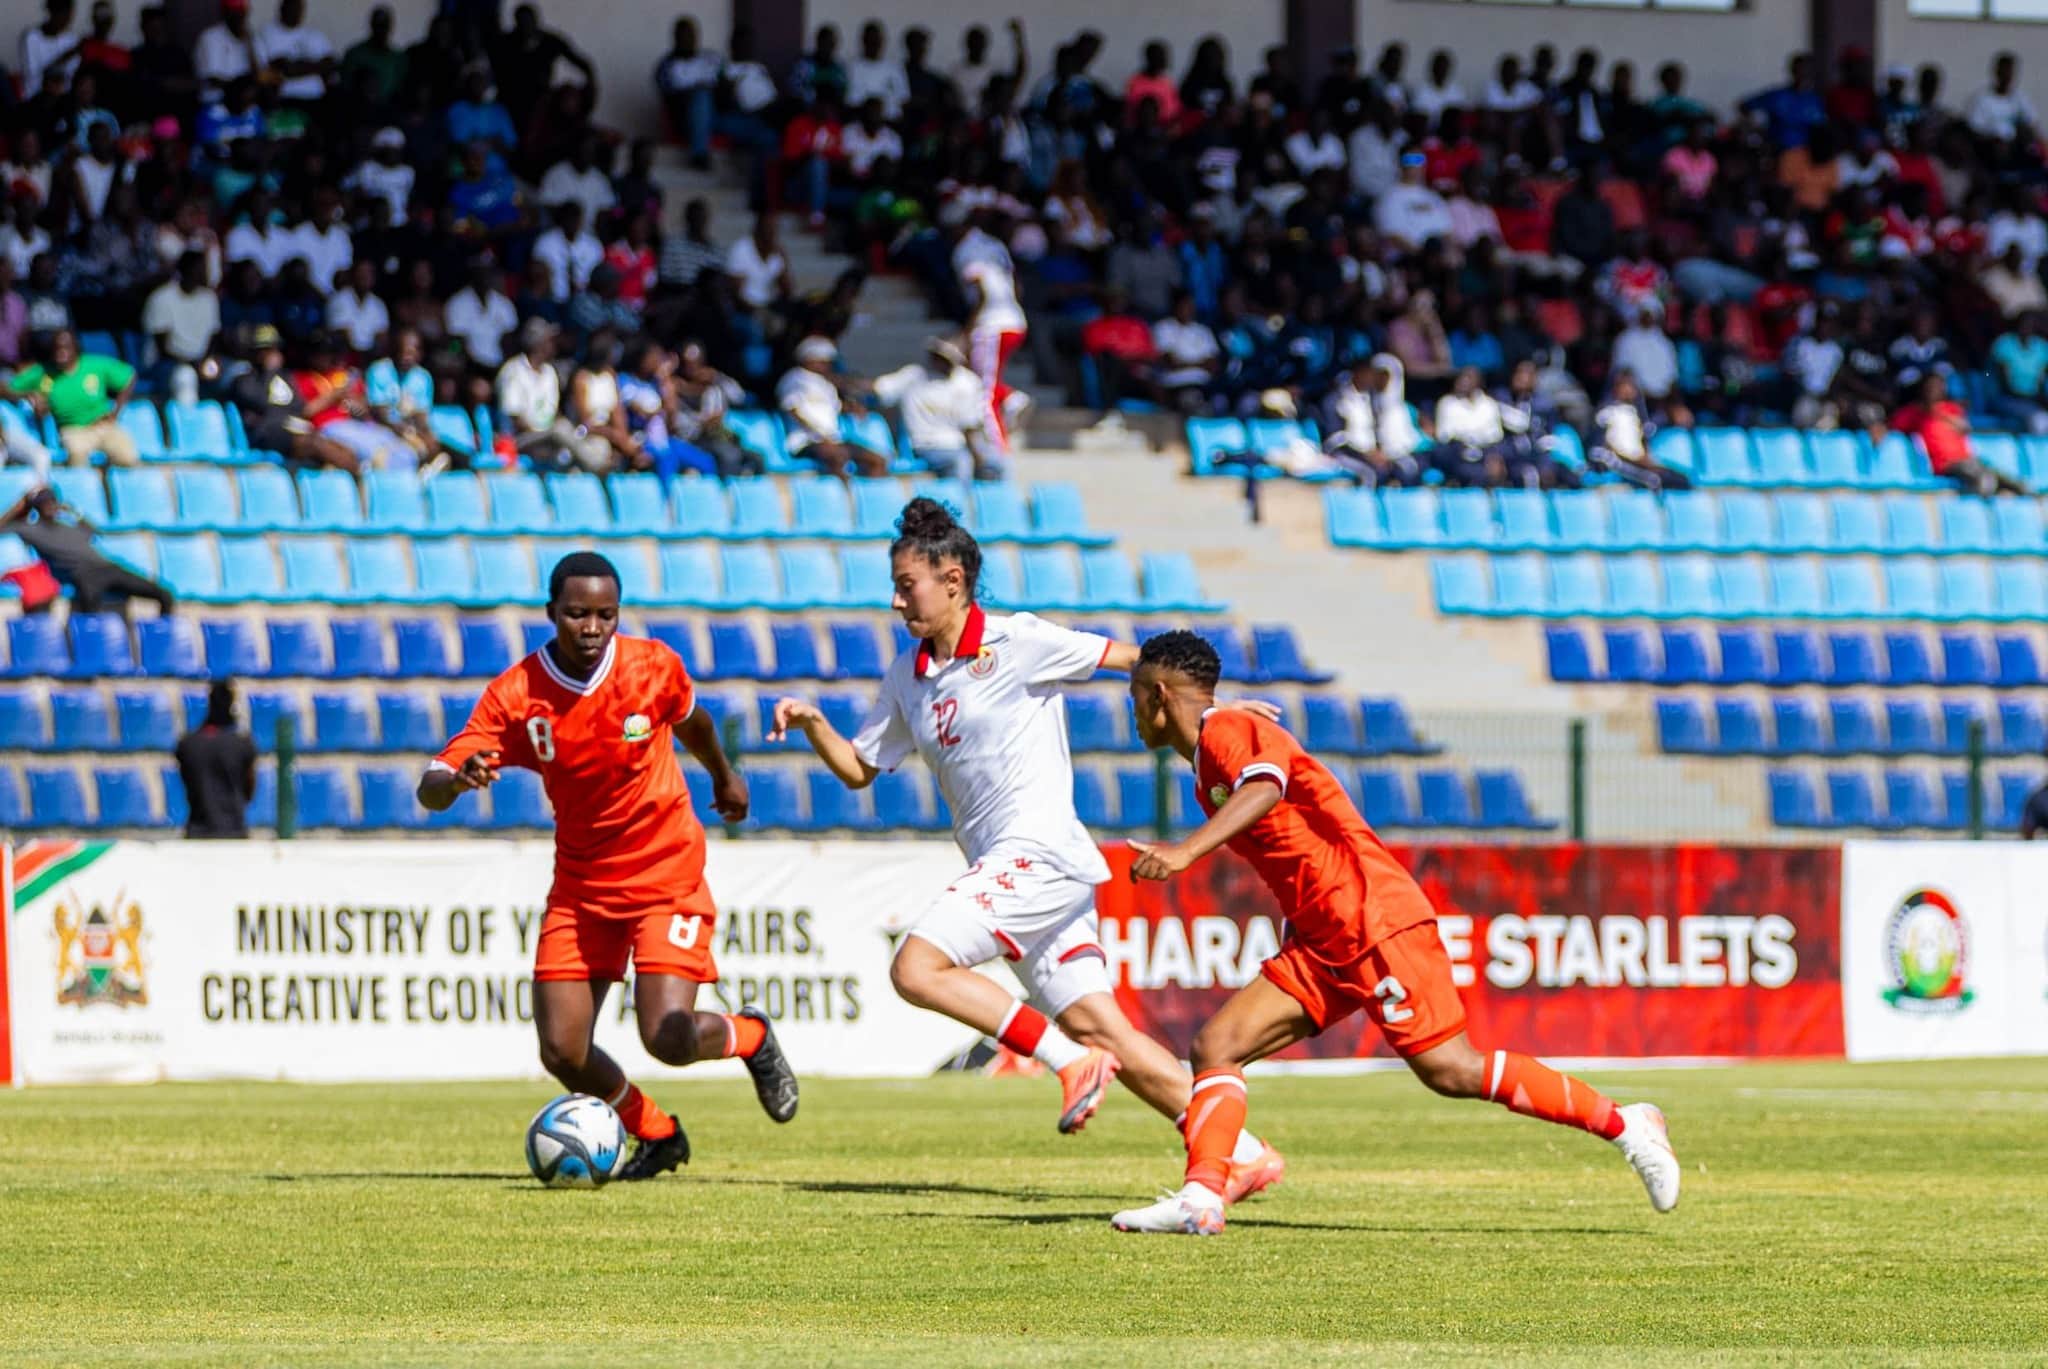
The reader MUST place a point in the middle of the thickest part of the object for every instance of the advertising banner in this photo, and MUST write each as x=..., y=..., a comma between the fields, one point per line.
x=1944, y=949
x=1690, y=951
x=319, y=961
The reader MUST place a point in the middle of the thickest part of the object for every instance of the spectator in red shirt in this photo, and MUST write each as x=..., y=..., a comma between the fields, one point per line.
x=1154, y=83
x=1852, y=99
x=810, y=145
x=1121, y=344
x=1943, y=427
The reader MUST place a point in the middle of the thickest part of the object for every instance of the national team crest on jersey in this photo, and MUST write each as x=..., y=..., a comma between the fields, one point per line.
x=1218, y=795
x=984, y=664
x=638, y=728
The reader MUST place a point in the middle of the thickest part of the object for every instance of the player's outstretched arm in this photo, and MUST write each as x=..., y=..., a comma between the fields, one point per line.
x=699, y=736
x=1243, y=809
x=440, y=786
x=836, y=751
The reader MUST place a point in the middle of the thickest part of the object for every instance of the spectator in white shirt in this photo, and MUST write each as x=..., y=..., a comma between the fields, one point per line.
x=356, y=312
x=1621, y=440
x=869, y=141
x=181, y=316
x=1188, y=355
x=2002, y=110
x=1470, y=439
x=529, y=393
x=570, y=251
x=757, y=265
x=1315, y=148
x=48, y=46
x=226, y=51
x=945, y=412
x=1410, y=214
x=384, y=175
x=1376, y=152
x=2016, y=224
x=874, y=75
x=1441, y=91
x=480, y=314
x=687, y=78
x=809, y=397
x=300, y=54
x=1643, y=350
x=260, y=236
x=324, y=241
x=1510, y=92
x=580, y=179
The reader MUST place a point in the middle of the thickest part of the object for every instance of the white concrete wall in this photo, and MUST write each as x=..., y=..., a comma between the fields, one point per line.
x=1963, y=49
x=1727, y=56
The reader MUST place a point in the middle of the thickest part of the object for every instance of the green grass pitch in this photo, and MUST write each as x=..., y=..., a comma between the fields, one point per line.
x=1832, y=1214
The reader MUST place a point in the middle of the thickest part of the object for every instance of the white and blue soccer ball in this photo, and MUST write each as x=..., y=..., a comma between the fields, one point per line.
x=576, y=1141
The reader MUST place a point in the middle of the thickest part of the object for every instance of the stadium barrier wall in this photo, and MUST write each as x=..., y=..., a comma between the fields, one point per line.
x=319, y=961
x=1944, y=949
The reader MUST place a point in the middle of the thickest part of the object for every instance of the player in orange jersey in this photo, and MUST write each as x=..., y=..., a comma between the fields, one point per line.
x=594, y=713
x=1360, y=934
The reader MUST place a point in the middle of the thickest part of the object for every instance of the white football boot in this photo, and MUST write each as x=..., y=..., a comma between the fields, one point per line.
x=1645, y=1141
x=1194, y=1211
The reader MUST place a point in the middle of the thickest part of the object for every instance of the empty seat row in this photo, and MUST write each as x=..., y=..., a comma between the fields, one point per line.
x=1584, y=584
x=1787, y=457
x=266, y=498
x=1911, y=799
x=1841, y=658
x=491, y=571
x=1847, y=725
x=1635, y=520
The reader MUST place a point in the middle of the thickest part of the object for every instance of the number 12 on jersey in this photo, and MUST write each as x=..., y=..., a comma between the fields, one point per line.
x=944, y=711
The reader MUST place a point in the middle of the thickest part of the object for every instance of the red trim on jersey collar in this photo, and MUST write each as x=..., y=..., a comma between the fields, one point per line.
x=968, y=647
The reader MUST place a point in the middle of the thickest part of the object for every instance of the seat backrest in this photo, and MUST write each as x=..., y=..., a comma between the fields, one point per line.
x=423, y=650
x=82, y=488
x=823, y=508
x=1910, y=661
x=1584, y=521
x=757, y=508
x=1638, y=518
x=1803, y=522
x=579, y=502
x=810, y=576
x=380, y=568
x=639, y=505
x=1851, y=588
x=1463, y=584
x=699, y=508
x=141, y=497
x=1796, y=587
x=396, y=500
x=1469, y=521
x=857, y=651
x=1750, y=519
x=1413, y=517
x=519, y=503
x=1909, y=587
x=1052, y=579
x=1696, y=520
x=330, y=499
x=1000, y=513
x=1632, y=584
x=796, y=650
x=1521, y=583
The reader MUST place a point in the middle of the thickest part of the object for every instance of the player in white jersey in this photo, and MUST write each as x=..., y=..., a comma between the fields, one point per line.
x=979, y=700
x=996, y=326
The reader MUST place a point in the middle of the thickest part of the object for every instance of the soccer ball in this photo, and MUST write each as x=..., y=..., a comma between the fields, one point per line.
x=576, y=1141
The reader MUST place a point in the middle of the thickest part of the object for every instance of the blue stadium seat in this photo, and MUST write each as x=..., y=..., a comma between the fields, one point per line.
x=846, y=712
x=297, y=647
x=1797, y=656
x=1058, y=514
x=689, y=573
x=639, y=506
x=1857, y=523
x=776, y=800
x=249, y=571
x=1837, y=458
x=1796, y=588
x=189, y=566
x=1107, y=580
x=82, y=488
x=1052, y=580
x=1908, y=525
x=326, y=798
x=1384, y=799
x=750, y=579
x=444, y=572
x=1852, y=591
x=1910, y=728
x=876, y=506
x=1726, y=457
x=2000, y=451
x=36, y=646
x=145, y=427
x=902, y=802
x=13, y=803
x=1446, y=801
x=1738, y=728
x=455, y=503
x=200, y=432
x=1571, y=661
x=506, y=566
x=824, y=509
x=2008, y=800
x=1967, y=590
x=1745, y=659
x=81, y=720
x=760, y=433
x=1503, y=804
x=1388, y=731
x=423, y=649
x=1414, y=518
x=1521, y=584
x=1796, y=727
x=313, y=570
x=1001, y=515
x=1469, y=523
x=148, y=720
x=1909, y=661
x=1749, y=520
x=100, y=646
x=834, y=807
x=456, y=706
x=757, y=508
x=519, y=503
x=408, y=721
x=1803, y=523
x=1690, y=587
x=1632, y=586
x=1911, y=801
x=1685, y=657
x=1137, y=798
x=1638, y=518
x=1210, y=439
x=1682, y=726
x=127, y=798
x=206, y=498
x=1280, y=657
x=579, y=502
x=1091, y=801
x=396, y=501
x=2019, y=664
x=857, y=652
x=1966, y=526
x=331, y=501
x=379, y=570
x=55, y=798
x=1744, y=591
x=1852, y=726
x=810, y=577
x=1461, y=584
x=735, y=653
x=1584, y=522
x=2020, y=590
x=268, y=708
x=519, y=801
x=1957, y=717
x=2017, y=527
x=1852, y=660
x=24, y=723
x=486, y=649
x=1352, y=518
x=2021, y=728
x=1967, y=658
x=141, y=497
x=452, y=429
x=269, y=500
x=1578, y=586
x=864, y=576
x=1633, y=655
x=1331, y=726
x=1093, y=724
x=1697, y=521
x=341, y=722
x=1793, y=800
x=796, y=651
x=1851, y=799
x=1781, y=457
x=699, y=508
x=387, y=799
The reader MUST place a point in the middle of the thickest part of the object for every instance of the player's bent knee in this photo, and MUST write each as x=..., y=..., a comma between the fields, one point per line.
x=673, y=1040
x=1216, y=1048
x=1456, y=1076
x=560, y=1058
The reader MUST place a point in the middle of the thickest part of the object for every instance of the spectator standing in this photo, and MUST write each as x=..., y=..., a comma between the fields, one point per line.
x=1441, y=91
x=1790, y=112
x=2001, y=111
x=374, y=68
x=687, y=78
x=217, y=766
x=63, y=540
x=996, y=329
x=84, y=394
x=524, y=59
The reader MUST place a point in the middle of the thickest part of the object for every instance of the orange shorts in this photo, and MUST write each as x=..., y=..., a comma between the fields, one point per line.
x=583, y=946
x=1404, y=983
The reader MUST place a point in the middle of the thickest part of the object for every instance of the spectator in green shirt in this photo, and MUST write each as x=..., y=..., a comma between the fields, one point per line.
x=84, y=394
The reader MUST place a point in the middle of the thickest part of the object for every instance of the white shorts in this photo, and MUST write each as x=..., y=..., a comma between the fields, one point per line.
x=1023, y=911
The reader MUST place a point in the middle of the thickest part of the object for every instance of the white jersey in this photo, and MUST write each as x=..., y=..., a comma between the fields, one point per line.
x=998, y=311
x=992, y=725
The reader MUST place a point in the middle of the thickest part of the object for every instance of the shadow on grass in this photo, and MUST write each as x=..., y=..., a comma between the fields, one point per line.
x=444, y=1176
x=1267, y=1223
x=915, y=1190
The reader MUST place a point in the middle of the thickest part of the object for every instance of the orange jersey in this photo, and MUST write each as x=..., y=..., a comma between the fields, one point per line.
x=626, y=840
x=1343, y=892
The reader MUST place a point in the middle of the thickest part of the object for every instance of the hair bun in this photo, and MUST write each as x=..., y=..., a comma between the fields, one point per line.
x=926, y=519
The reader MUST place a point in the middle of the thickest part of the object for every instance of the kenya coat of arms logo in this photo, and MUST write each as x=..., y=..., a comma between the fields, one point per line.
x=99, y=953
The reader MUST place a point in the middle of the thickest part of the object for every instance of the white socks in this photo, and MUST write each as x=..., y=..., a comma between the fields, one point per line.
x=1247, y=1149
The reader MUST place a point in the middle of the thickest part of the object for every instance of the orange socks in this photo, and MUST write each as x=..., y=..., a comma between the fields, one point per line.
x=1214, y=1118
x=641, y=1114
x=1530, y=1087
x=743, y=1036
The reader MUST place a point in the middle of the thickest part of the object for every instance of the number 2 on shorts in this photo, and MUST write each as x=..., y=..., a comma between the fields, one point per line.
x=1392, y=995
